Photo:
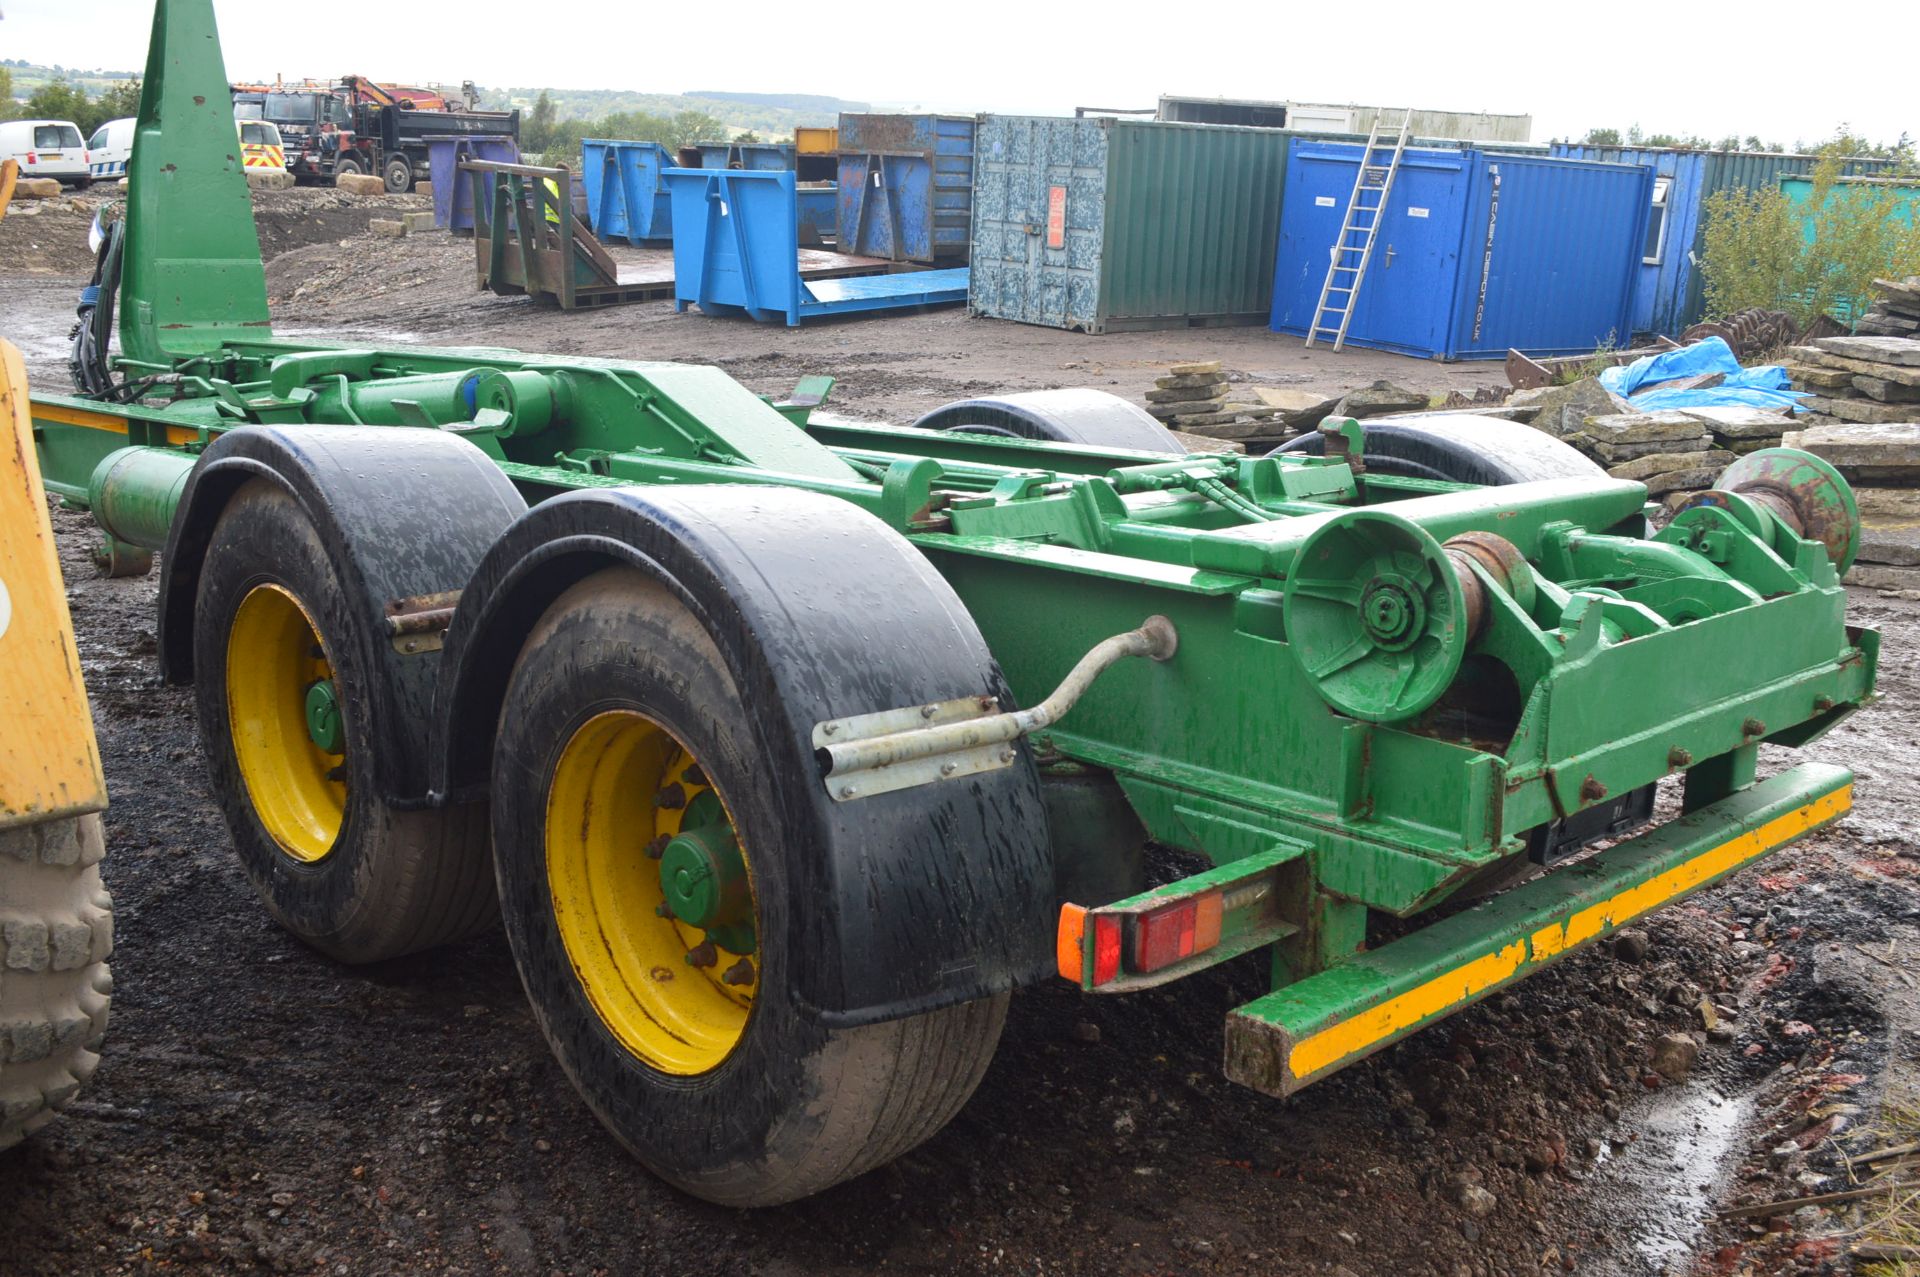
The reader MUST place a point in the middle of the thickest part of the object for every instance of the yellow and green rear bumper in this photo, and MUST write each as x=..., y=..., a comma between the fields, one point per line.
x=1299, y=1034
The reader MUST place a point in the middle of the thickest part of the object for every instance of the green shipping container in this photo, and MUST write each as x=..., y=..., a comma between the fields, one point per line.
x=1103, y=225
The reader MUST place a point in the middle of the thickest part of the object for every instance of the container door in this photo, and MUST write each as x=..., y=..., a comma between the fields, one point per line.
x=1039, y=215
x=1553, y=249
x=1404, y=299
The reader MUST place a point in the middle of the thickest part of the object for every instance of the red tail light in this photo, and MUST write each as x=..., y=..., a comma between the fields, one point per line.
x=32, y=158
x=1106, y=948
x=1166, y=936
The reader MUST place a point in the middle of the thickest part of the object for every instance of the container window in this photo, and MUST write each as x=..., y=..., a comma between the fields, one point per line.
x=1656, y=246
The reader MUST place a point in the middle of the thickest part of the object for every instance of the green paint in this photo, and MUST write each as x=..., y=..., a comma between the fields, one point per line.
x=1333, y=698
x=323, y=717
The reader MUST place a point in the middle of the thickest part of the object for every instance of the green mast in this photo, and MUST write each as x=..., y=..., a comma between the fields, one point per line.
x=192, y=278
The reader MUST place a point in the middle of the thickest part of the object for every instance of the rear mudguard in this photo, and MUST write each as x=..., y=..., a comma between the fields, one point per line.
x=916, y=899
x=403, y=514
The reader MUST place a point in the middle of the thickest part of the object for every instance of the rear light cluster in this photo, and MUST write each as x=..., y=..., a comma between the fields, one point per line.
x=1152, y=939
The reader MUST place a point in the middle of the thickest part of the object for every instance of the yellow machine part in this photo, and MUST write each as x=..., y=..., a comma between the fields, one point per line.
x=9, y=174
x=49, y=762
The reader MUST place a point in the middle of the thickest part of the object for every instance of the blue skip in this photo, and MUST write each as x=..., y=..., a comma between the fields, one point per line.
x=736, y=251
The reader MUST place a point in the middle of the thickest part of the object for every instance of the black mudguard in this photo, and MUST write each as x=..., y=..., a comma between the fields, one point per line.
x=1091, y=417
x=916, y=899
x=1461, y=448
x=403, y=513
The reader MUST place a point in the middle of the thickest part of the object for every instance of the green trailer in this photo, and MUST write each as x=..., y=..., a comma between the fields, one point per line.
x=786, y=750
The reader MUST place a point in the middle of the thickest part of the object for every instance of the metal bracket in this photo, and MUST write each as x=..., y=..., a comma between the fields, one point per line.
x=868, y=754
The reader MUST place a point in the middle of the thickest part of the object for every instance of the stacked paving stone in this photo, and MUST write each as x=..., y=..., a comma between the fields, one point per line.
x=1897, y=313
x=1261, y=418
x=1672, y=451
x=1882, y=462
x=1867, y=380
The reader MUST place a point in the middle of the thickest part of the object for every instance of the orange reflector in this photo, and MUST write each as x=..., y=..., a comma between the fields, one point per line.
x=1068, y=943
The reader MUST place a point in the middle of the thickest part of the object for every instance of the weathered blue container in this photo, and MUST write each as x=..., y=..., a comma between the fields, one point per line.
x=818, y=207
x=906, y=186
x=758, y=157
x=1477, y=253
x=626, y=196
x=452, y=189
x=1671, y=293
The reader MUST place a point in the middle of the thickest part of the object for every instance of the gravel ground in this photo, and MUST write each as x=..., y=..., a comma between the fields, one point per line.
x=261, y=1108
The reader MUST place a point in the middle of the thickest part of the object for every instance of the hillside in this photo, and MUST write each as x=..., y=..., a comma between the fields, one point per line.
x=768, y=114
x=28, y=76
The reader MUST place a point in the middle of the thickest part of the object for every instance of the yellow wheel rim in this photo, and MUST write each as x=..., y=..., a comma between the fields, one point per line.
x=275, y=658
x=663, y=987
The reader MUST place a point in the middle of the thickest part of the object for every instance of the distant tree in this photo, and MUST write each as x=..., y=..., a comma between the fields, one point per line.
x=118, y=102
x=1602, y=137
x=8, y=107
x=536, y=131
x=689, y=127
x=58, y=100
x=748, y=137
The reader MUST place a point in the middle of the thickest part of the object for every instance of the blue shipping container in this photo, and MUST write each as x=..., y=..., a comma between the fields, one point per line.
x=626, y=196
x=1478, y=252
x=906, y=186
x=1671, y=294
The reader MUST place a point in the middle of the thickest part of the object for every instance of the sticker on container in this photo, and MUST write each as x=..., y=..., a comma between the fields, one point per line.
x=1056, y=217
x=1323, y=201
x=1416, y=211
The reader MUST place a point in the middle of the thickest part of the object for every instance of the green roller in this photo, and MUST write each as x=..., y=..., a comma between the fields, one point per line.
x=133, y=493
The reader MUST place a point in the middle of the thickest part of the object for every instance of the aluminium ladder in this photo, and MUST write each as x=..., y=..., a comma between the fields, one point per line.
x=1347, y=260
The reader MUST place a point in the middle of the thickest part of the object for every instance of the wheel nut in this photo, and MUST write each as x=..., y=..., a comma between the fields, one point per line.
x=694, y=776
x=740, y=972
x=672, y=798
x=658, y=847
x=703, y=954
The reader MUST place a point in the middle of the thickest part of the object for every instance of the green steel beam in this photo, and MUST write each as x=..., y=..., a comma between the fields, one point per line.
x=1298, y=1034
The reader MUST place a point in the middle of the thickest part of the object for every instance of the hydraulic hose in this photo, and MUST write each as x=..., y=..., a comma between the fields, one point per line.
x=93, y=332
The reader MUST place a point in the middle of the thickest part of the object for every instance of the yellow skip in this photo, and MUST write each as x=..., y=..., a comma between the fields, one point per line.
x=1470, y=979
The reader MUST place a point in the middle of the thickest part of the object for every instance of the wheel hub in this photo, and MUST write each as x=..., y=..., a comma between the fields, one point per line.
x=704, y=880
x=1391, y=612
x=323, y=716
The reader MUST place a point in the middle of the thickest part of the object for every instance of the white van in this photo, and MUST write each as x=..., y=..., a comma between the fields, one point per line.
x=46, y=148
x=109, y=149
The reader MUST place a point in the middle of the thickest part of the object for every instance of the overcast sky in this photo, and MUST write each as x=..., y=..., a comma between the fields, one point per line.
x=1681, y=68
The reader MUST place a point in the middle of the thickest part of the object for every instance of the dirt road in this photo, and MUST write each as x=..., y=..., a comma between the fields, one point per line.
x=261, y=1108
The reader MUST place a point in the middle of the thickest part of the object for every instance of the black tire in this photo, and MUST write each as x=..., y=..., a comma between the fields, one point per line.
x=390, y=882
x=346, y=168
x=1462, y=448
x=398, y=174
x=1091, y=417
x=56, y=932
x=793, y=1107
x=82, y=183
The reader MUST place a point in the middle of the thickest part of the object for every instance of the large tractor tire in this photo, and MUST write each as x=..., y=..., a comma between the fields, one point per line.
x=1462, y=449
x=626, y=776
x=1091, y=417
x=56, y=932
x=285, y=719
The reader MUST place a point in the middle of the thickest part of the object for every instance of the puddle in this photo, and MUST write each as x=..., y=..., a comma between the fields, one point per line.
x=1659, y=1189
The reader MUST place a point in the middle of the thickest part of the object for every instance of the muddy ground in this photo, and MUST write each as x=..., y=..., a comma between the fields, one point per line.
x=263, y=1109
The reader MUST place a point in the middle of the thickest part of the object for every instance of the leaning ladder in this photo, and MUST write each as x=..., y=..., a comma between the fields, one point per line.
x=1353, y=249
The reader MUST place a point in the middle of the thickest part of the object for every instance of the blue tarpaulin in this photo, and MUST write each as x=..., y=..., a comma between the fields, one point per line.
x=1764, y=386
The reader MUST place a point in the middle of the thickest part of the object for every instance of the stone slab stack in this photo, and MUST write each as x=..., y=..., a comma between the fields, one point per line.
x=1896, y=313
x=1873, y=380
